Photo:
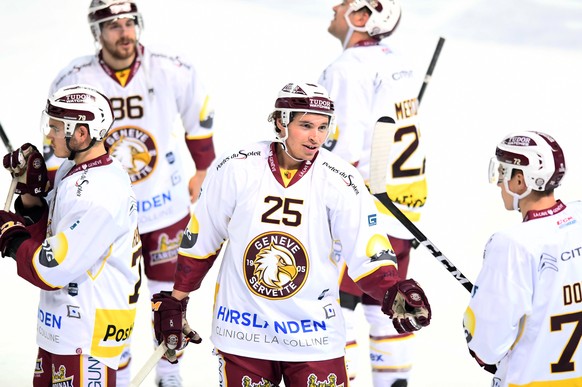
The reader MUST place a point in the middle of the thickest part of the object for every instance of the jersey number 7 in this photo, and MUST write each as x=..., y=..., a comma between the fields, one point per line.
x=565, y=363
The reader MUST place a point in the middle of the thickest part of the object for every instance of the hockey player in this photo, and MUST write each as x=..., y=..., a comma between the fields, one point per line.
x=148, y=90
x=280, y=205
x=523, y=319
x=367, y=81
x=80, y=246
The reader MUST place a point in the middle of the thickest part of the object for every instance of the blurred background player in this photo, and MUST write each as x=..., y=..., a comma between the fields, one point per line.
x=524, y=317
x=148, y=90
x=280, y=205
x=369, y=80
x=81, y=246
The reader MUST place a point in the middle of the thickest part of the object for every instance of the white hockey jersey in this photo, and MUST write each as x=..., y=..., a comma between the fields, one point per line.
x=526, y=308
x=159, y=89
x=278, y=289
x=88, y=267
x=367, y=82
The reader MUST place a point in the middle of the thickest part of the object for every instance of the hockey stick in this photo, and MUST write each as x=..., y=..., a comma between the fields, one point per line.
x=10, y=194
x=5, y=139
x=431, y=66
x=382, y=138
x=12, y=188
x=149, y=364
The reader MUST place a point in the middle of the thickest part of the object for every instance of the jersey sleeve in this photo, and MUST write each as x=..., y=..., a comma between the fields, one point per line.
x=197, y=113
x=499, y=304
x=83, y=246
x=365, y=246
x=206, y=232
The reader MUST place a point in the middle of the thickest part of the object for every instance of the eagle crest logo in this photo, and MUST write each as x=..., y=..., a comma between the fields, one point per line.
x=135, y=149
x=275, y=265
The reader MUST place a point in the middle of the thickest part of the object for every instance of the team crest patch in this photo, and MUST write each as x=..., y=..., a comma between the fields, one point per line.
x=275, y=265
x=168, y=249
x=60, y=379
x=38, y=367
x=135, y=149
x=248, y=382
x=331, y=381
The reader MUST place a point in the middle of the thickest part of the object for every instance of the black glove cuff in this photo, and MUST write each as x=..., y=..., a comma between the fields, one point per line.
x=14, y=243
x=31, y=214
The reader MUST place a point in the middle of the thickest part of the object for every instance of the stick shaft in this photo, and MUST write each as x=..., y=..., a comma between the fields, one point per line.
x=149, y=364
x=382, y=138
x=431, y=66
x=385, y=200
x=5, y=139
x=10, y=194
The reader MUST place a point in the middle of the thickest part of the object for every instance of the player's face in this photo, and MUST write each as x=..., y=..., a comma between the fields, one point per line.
x=119, y=38
x=307, y=133
x=56, y=136
x=338, y=26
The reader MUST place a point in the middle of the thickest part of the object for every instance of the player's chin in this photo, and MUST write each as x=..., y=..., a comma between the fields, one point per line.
x=61, y=153
x=310, y=152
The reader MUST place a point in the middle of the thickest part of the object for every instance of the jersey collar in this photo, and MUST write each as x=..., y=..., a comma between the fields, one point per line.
x=274, y=166
x=96, y=162
x=367, y=42
x=556, y=208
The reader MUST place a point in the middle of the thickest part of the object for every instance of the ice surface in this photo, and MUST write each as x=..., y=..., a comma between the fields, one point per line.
x=506, y=65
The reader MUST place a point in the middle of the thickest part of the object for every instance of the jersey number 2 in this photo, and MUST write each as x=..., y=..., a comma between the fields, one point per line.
x=289, y=218
x=397, y=167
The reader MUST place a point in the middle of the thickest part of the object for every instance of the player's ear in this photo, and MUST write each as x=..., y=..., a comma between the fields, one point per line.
x=520, y=179
x=360, y=17
x=83, y=132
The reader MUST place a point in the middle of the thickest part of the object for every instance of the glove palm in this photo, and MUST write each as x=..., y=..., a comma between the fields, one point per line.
x=407, y=305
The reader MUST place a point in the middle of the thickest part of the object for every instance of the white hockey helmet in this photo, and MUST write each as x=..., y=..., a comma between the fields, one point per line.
x=101, y=11
x=536, y=154
x=384, y=17
x=80, y=104
x=304, y=97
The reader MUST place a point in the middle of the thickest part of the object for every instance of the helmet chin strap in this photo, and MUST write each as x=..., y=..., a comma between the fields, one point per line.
x=73, y=151
x=516, y=197
x=283, y=142
x=348, y=36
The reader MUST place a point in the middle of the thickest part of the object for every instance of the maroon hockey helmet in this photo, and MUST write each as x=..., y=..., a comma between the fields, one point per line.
x=101, y=11
x=306, y=98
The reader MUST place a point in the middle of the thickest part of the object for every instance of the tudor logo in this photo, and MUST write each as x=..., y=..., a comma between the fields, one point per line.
x=275, y=265
x=135, y=149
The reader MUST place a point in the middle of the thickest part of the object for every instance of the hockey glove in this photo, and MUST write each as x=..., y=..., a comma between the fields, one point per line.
x=27, y=165
x=407, y=306
x=170, y=325
x=12, y=233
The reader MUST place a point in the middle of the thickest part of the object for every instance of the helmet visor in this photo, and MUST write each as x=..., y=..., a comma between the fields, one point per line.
x=497, y=171
x=51, y=126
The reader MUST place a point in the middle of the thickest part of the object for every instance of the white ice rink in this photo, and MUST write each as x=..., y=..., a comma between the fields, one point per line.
x=506, y=65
